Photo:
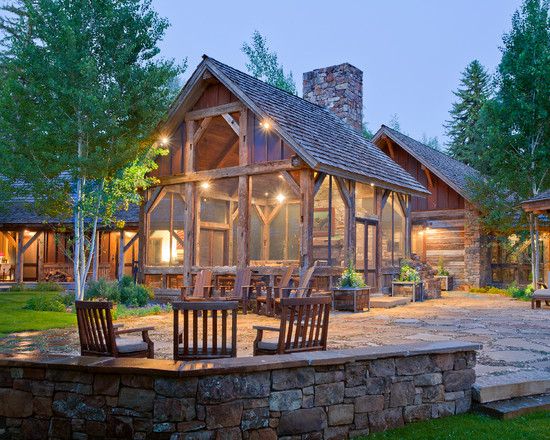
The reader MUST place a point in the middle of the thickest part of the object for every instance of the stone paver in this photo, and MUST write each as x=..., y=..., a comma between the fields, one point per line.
x=514, y=336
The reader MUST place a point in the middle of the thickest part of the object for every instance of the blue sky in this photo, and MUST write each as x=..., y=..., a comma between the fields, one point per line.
x=411, y=51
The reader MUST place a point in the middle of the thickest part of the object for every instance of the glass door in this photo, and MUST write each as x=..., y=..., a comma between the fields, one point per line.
x=365, y=251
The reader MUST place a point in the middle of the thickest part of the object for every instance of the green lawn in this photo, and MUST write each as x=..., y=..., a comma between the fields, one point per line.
x=473, y=427
x=13, y=318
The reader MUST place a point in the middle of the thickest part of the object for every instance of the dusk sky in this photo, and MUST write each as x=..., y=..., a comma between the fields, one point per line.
x=411, y=52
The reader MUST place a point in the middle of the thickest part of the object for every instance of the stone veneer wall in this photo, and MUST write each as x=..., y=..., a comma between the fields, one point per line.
x=477, y=258
x=339, y=89
x=322, y=395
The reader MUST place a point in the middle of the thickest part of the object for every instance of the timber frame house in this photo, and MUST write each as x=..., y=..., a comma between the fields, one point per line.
x=259, y=177
x=446, y=226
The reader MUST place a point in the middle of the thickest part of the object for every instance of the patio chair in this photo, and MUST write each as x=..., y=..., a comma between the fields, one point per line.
x=213, y=342
x=201, y=290
x=274, y=291
x=100, y=337
x=242, y=290
x=303, y=327
x=539, y=296
x=303, y=290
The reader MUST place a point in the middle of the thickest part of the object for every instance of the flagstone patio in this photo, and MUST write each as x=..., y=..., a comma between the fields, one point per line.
x=514, y=336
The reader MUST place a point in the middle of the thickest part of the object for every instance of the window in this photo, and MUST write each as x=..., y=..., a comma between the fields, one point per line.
x=166, y=219
x=329, y=224
x=275, y=218
x=218, y=219
x=393, y=231
x=364, y=200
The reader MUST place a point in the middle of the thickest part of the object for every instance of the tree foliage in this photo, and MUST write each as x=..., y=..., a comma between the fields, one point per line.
x=473, y=93
x=81, y=92
x=514, y=126
x=264, y=64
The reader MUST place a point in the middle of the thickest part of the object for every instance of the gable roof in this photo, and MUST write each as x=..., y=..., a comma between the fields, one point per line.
x=324, y=141
x=453, y=172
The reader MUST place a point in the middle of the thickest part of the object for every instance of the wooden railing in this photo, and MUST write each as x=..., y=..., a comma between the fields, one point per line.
x=103, y=270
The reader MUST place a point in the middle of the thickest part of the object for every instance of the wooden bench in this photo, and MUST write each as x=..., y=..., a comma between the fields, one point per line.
x=539, y=296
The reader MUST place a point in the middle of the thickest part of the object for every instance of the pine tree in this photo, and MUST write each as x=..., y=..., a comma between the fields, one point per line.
x=264, y=64
x=473, y=92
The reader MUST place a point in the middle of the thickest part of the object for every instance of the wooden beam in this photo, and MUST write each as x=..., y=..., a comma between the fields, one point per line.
x=188, y=227
x=350, y=230
x=428, y=176
x=213, y=111
x=12, y=240
x=131, y=242
x=178, y=238
x=154, y=196
x=189, y=147
x=306, y=219
x=390, y=147
x=200, y=131
x=408, y=226
x=342, y=188
x=19, y=257
x=291, y=182
x=319, y=179
x=232, y=123
x=31, y=240
x=225, y=152
x=142, y=246
x=241, y=170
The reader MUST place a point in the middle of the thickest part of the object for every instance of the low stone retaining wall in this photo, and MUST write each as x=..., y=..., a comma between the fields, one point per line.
x=322, y=395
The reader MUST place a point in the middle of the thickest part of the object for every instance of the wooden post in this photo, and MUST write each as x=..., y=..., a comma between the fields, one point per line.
x=408, y=226
x=188, y=237
x=41, y=251
x=348, y=195
x=120, y=254
x=19, y=257
x=306, y=219
x=142, y=240
x=243, y=220
x=380, y=201
x=189, y=209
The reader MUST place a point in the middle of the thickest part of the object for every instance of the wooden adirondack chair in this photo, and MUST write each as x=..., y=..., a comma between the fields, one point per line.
x=213, y=342
x=202, y=289
x=303, y=290
x=304, y=327
x=273, y=292
x=242, y=289
x=99, y=337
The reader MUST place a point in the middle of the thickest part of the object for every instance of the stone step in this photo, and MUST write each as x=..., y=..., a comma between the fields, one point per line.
x=387, y=302
x=508, y=386
x=519, y=406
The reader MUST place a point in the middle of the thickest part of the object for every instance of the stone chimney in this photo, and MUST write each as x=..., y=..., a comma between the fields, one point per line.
x=339, y=89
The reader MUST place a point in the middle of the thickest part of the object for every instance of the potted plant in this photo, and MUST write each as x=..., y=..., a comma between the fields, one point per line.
x=351, y=293
x=444, y=276
x=408, y=283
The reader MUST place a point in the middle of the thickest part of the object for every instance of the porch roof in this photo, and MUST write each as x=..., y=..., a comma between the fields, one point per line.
x=541, y=202
x=323, y=140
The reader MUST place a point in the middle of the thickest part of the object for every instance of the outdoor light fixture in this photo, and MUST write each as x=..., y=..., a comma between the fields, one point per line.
x=295, y=161
x=280, y=198
x=265, y=124
x=371, y=184
x=164, y=140
x=205, y=185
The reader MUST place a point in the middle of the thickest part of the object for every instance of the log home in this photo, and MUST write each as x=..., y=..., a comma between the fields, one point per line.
x=257, y=176
x=445, y=225
x=34, y=247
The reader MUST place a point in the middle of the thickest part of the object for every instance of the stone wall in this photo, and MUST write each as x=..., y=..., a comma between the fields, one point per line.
x=339, y=89
x=477, y=259
x=323, y=395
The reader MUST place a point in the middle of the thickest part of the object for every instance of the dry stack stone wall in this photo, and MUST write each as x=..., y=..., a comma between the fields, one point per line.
x=339, y=89
x=477, y=259
x=326, y=395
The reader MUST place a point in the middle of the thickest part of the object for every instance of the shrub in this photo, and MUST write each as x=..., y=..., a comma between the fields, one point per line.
x=408, y=273
x=441, y=271
x=48, y=286
x=46, y=303
x=123, y=292
x=351, y=278
x=121, y=311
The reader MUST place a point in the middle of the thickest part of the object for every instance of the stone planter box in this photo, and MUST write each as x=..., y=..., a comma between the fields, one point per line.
x=446, y=282
x=351, y=299
x=412, y=289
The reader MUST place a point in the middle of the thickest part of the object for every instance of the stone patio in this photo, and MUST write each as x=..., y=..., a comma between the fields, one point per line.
x=514, y=337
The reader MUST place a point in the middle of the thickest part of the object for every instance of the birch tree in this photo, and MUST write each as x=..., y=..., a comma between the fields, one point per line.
x=81, y=92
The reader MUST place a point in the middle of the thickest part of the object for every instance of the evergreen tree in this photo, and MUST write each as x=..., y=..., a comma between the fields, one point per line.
x=264, y=64
x=473, y=92
x=81, y=92
x=515, y=125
